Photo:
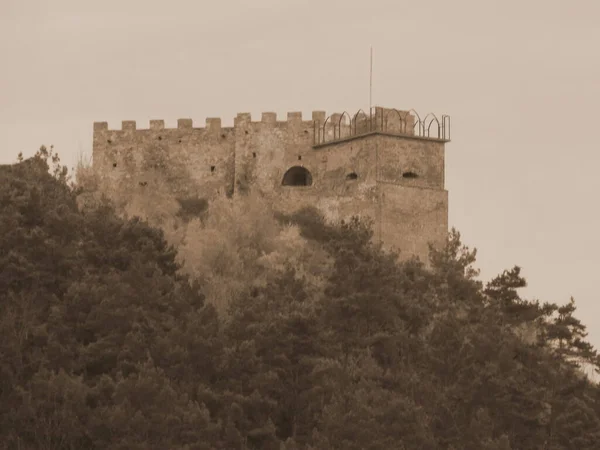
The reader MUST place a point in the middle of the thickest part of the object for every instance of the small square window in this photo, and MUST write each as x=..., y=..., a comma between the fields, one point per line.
x=212, y=168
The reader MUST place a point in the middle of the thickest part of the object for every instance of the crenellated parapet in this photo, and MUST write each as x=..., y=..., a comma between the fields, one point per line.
x=321, y=129
x=324, y=128
x=214, y=124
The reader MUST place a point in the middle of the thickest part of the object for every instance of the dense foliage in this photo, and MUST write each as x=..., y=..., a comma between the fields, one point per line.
x=267, y=332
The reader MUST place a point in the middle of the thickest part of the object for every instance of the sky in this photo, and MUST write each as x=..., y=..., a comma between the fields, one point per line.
x=519, y=78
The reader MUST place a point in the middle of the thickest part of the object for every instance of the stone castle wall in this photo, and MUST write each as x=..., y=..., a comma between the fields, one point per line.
x=388, y=173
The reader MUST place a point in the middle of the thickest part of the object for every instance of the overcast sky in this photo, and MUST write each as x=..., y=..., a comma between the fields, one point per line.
x=520, y=79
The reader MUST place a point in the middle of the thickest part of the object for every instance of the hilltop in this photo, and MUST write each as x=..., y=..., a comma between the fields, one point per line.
x=237, y=326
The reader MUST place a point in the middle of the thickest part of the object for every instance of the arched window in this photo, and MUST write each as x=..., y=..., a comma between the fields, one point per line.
x=297, y=176
x=409, y=175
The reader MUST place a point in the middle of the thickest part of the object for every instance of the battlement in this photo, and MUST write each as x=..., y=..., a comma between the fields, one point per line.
x=326, y=129
x=182, y=124
x=242, y=119
x=270, y=118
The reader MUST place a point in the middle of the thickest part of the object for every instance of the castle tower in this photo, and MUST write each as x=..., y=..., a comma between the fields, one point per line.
x=386, y=164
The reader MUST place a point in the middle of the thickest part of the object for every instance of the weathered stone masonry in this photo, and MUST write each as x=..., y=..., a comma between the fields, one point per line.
x=388, y=165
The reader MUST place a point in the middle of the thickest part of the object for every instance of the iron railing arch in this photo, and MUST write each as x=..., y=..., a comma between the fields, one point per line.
x=430, y=127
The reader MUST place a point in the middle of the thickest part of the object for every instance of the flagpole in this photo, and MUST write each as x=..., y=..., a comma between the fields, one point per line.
x=371, y=82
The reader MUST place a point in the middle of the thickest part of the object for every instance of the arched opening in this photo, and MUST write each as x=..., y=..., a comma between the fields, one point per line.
x=297, y=176
x=351, y=176
x=409, y=175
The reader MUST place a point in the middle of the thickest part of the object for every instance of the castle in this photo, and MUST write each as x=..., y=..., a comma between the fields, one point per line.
x=386, y=164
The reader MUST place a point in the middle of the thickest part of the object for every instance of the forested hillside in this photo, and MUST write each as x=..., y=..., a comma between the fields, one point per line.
x=235, y=327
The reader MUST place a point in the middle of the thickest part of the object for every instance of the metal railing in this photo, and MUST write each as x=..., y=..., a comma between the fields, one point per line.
x=404, y=123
